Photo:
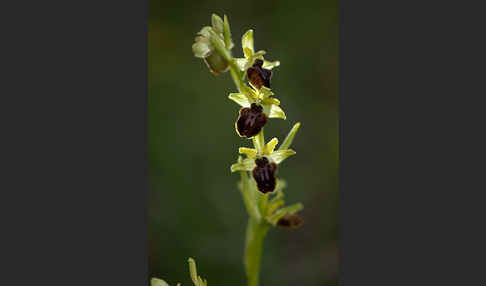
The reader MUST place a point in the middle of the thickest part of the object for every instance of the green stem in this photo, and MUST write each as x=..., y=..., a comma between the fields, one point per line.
x=255, y=234
x=257, y=227
x=236, y=74
x=249, y=198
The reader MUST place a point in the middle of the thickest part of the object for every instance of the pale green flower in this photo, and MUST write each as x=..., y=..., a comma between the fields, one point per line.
x=262, y=97
x=250, y=55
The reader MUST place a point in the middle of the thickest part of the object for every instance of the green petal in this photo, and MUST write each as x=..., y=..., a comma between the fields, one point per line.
x=201, y=49
x=247, y=43
x=158, y=282
x=266, y=92
x=279, y=156
x=259, y=55
x=276, y=112
x=248, y=53
x=250, y=92
x=217, y=23
x=290, y=137
x=270, y=65
x=241, y=99
x=250, y=152
x=227, y=34
x=270, y=146
x=247, y=164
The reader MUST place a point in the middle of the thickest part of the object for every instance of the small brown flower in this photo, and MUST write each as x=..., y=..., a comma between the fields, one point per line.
x=290, y=221
x=259, y=76
x=264, y=175
x=251, y=121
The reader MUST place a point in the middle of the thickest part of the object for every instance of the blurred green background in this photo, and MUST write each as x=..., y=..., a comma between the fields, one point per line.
x=195, y=209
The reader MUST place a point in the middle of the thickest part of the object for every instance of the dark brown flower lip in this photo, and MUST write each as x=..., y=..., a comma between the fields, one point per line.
x=251, y=120
x=290, y=222
x=258, y=76
x=264, y=175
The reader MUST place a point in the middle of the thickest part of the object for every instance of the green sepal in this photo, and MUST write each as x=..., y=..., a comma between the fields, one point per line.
x=217, y=23
x=218, y=43
x=205, y=31
x=270, y=101
x=227, y=34
x=247, y=44
x=201, y=48
x=288, y=210
x=250, y=152
x=266, y=92
x=241, y=98
x=274, y=111
x=247, y=164
x=279, y=156
x=158, y=282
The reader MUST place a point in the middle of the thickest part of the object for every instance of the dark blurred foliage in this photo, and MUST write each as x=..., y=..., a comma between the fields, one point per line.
x=195, y=209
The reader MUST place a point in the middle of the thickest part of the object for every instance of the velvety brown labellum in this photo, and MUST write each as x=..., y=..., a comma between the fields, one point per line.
x=259, y=76
x=264, y=175
x=290, y=221
x=251, y=120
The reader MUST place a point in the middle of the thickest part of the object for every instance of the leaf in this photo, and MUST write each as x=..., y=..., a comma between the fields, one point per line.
x=279, y=156
x=247, y=164
x=290, y=137
x=241, y=99
x=247, y=43
x=158, y=282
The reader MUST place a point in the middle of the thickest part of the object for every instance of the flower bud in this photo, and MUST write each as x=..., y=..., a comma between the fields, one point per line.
x=250, y=121
x=258, y=76
x=205, y=49
x=264, y=175
x=290, y=221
